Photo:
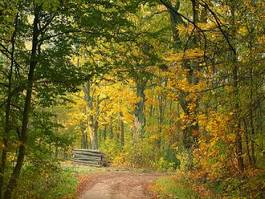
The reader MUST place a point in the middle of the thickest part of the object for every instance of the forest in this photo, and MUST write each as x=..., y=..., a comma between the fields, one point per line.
x=171, y=88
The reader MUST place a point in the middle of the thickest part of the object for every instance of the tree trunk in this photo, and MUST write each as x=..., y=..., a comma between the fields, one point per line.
x=239, y=149
x=139, y=109
x=111, y=129
x=121, y=130
x=84, y=141
x=161, y=106
x=7, y=110
x=188, y=139
x=247, y=141
x=27, y=105
x=104, y=134
x=92, y=118
x=93, y=132
x=175, y=21
x=252, y=140
x=252, y=127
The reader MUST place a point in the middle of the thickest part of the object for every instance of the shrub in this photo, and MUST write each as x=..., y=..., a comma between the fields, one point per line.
x=45, y=181
x=111, y=147
x=166, y=165
x=171, y=188
x=138, y=154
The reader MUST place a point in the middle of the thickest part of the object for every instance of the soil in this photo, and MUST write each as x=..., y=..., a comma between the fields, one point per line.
x=117, y=185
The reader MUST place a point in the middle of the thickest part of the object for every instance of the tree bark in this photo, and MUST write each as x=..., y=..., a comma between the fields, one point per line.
x=7, y=126
x=239, y=148
x=26, y=110
x=247, y=141
x=252, y=127
x=104, y=134
x=92, y=118
x=139, y=109
x=111, y=129
x=121, y=130
x=84, y=141
x=93, y=132
x=188, y=139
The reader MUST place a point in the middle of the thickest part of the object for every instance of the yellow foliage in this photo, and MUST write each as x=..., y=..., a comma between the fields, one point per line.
x=185, y=29
x=193, y=53
x=207, y=26
x=215, y=143
x=243, y=31
x=261, y=39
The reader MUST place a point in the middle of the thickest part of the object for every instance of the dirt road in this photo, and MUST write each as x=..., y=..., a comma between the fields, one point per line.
x=116, y=185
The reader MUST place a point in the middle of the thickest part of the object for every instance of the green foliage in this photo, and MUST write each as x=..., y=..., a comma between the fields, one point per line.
x=139, y=154
x=172, y=188
x=251, y=186
x=111, y=147
x=166, y=165
x=46, y=181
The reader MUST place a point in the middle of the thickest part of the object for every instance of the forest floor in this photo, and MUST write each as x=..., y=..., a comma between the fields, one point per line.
x=116, y=184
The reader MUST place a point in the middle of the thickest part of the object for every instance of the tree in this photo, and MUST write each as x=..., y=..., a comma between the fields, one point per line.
x=41, y=49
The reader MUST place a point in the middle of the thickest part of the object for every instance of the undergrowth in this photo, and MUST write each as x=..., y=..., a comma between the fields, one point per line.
x=46, y=182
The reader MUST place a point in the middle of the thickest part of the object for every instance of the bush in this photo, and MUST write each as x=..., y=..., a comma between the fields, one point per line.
x=171, y=188
x=251, y=185
x=166, y=165
x=45, y=181
x=111, y=148
x=138, y=154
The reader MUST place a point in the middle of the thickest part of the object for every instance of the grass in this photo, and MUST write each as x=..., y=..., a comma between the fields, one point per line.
x=66, y=185
x=174, y=187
